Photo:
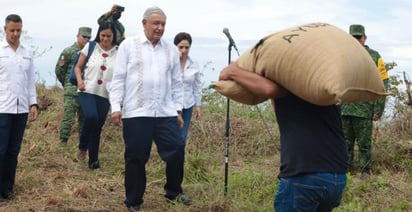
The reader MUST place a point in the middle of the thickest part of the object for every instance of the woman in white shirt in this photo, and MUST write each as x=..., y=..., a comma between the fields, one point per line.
x=93, y=90
x=192, y=84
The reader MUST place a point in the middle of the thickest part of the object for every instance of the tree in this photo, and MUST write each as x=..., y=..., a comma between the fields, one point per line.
x=390, y=66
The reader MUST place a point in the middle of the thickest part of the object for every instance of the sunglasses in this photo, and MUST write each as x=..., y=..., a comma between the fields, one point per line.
x=86, y=37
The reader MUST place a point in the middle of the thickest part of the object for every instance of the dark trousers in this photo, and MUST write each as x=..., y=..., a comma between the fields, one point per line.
x=138, y=134
x=94, y=109
x=12, y=128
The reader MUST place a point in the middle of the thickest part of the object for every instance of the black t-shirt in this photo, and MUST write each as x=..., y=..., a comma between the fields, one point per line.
x=311, y=137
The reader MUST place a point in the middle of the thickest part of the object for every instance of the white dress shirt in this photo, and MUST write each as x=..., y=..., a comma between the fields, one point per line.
x=17, y=79
x=147, y=80
x=192, y=84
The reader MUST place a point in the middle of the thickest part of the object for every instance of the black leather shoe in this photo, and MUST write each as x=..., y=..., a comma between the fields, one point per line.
x=181, y=198
x=134, y=208
x=9, y=196
x=63, y=141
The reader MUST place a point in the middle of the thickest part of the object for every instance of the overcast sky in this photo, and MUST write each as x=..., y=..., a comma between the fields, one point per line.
x=54, y=23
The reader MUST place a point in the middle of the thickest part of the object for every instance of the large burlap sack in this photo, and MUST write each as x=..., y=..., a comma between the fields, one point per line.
x=318, y=62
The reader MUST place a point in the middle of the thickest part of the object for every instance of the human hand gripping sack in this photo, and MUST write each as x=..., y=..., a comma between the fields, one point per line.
x=225, y=74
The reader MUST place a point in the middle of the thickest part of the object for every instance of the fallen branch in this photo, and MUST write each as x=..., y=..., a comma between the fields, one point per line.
x=408, y=88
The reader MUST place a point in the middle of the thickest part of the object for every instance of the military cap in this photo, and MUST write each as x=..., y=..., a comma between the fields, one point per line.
x=356, y=30
x=85, y=31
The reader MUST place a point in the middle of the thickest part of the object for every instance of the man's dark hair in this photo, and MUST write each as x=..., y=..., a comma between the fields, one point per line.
x=13, y=18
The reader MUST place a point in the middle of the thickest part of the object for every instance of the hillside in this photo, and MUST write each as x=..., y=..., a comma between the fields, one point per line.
x=50, y=178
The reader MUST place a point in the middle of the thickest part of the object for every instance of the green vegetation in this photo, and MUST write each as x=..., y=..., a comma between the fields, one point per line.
x=49, y=177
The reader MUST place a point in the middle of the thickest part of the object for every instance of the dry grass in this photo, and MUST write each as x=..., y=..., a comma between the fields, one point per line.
x=50, y=178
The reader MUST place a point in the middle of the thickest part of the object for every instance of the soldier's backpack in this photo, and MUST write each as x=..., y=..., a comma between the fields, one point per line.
x=73, y=79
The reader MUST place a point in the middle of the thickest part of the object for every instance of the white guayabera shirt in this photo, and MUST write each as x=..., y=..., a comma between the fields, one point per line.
x=147, y=80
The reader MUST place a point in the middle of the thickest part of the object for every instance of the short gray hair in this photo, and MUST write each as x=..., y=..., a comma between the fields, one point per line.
x=153, y=10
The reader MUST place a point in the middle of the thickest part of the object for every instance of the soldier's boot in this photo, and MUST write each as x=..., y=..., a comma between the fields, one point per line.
x=63, y=141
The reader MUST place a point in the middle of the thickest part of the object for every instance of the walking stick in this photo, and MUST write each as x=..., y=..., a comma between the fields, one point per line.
x=231, y=44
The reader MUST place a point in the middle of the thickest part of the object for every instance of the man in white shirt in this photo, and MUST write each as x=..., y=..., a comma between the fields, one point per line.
x=146, y=95
x=17, y=98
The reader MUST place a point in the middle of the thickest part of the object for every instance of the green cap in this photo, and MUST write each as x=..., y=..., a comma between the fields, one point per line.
x=357, y=30
x=85, y=31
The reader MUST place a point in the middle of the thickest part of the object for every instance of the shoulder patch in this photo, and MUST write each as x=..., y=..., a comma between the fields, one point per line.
x=62, y=61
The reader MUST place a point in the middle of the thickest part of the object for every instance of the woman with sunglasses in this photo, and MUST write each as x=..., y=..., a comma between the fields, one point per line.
x=93, y=90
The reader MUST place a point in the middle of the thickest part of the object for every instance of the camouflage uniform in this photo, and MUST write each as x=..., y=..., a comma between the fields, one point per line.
x=357, y=120
x=71, y=104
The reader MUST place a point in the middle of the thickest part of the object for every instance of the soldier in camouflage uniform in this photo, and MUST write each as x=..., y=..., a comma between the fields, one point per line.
x=358, y=117
x=71, y=104
x=113, y=16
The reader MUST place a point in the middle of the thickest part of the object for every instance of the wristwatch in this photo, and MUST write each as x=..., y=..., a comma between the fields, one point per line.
x=35, y=105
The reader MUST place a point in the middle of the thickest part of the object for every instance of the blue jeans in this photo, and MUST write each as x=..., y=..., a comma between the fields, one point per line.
x=12, y=128
x=94, y=110
x=311, y=192
x=187, y=116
